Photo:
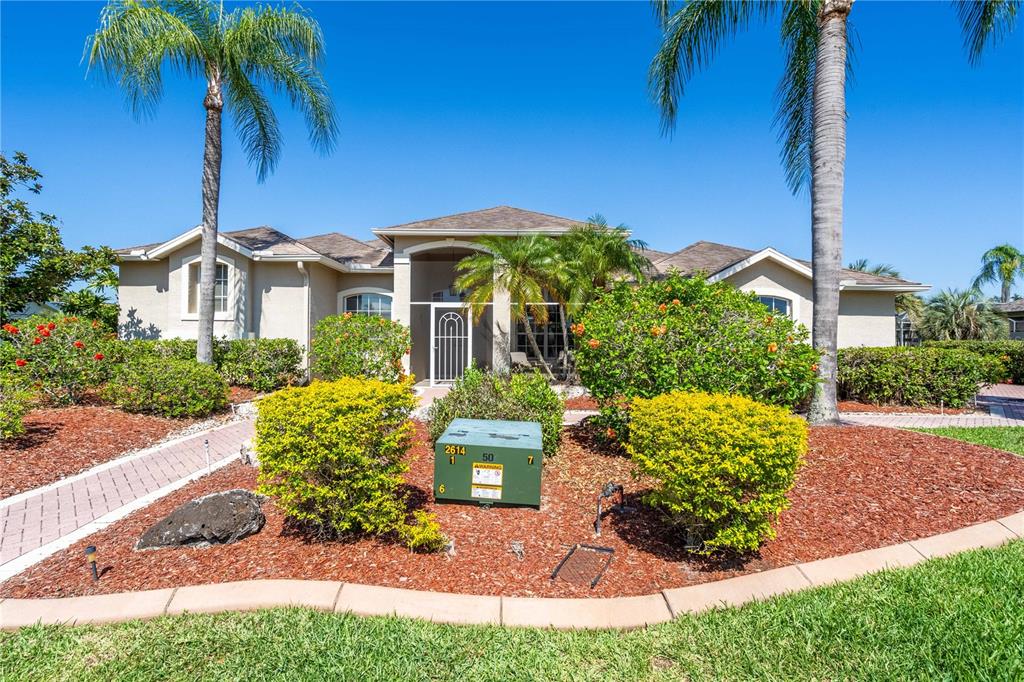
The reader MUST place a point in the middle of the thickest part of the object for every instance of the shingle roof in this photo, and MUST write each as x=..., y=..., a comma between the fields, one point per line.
x=345, y=249
x=710, y=258
x=268, y=239
x=1010, y=307
x=488, y=219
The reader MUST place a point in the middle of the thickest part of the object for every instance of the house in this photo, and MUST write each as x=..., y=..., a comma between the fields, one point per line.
x=1014, y=314
x=269, y=284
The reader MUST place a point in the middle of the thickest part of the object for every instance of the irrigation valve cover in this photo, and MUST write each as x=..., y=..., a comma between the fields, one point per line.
x=489, y=461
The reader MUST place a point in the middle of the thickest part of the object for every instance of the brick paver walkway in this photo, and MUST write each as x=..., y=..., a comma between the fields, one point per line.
x=927, y=421
x=34, y=519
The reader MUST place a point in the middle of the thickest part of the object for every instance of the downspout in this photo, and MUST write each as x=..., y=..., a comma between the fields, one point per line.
x=306, y=306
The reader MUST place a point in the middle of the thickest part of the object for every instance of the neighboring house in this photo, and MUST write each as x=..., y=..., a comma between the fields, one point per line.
x=1014, y=313
x=33, y=308
x=271, y=285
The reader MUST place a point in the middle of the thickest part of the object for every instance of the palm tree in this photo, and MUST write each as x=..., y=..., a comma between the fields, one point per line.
x=237, y=54
x=810, y=119
x=1003, y=264
x=526, y=267
x=882, y=269
x=955, y=314
x=593, y=255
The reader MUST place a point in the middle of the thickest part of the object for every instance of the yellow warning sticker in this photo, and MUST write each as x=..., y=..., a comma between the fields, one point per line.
x=485, y=492
x=487, y=474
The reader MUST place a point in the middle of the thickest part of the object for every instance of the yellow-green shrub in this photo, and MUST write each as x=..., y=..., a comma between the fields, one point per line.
x=331, y=455
x=723, y=464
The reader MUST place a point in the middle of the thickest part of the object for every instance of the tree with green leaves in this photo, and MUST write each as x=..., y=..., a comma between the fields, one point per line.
x=810, y=119
x=593, y=256
x=1001, y=264
x=35, y=266
x=528, y=268
x=955, y=314
x=238, y=55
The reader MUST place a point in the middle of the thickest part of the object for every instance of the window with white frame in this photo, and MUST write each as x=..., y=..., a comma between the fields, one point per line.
x=777, y=304
x=220, y=288
x=369, y=304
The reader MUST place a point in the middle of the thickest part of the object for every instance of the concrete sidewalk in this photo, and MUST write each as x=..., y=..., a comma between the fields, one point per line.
x=38, y=522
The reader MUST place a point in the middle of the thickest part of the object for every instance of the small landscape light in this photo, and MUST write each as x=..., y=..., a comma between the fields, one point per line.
x=90, y=556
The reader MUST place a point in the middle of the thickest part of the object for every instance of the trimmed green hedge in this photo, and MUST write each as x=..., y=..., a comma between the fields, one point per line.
x=1010, y=353
x=914, y=375
x=353, y=345
x=261, y=364
x=168, y=387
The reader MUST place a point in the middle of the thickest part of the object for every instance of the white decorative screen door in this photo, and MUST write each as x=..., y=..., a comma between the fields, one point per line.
x=452, y=343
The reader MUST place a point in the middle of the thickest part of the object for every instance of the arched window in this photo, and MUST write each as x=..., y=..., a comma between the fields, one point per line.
x=224, y=288
x=777, y=304
x=369, y=304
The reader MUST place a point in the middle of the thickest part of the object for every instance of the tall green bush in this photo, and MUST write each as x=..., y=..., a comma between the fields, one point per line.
x=168, y=387
x=1008, y=352
x=692, y=335
x=917, y=376
x=332, y=456
x=723, y=465
x=487, y=395
x=15, y=400
x=359, y=346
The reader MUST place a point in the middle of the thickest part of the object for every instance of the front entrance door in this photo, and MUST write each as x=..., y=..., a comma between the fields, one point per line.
x=451, y=342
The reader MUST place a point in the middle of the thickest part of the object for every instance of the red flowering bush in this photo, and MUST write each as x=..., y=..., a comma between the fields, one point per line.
x=686, y=334
x=60, y=357
x=364, y=346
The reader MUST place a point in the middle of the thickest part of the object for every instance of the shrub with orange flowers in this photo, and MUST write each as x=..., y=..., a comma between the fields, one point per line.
x=692, y=335
x=59, y=357
x=358, y=345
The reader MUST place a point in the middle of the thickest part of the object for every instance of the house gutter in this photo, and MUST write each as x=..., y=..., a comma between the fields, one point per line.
x=307, y=305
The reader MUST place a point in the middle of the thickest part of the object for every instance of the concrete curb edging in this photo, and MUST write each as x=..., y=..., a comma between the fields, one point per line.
x=467, y=609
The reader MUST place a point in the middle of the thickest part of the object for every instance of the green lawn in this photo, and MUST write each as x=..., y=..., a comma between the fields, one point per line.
x=1009, y=438
x=956, y=618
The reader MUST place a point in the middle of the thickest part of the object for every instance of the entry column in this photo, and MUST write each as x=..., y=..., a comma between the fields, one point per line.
x=401, y=310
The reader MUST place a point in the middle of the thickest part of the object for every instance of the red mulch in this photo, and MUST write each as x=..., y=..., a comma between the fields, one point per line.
x=61, y=442
x=240, y=394
x=855, y=406
x=583, y=402
x=862, y=487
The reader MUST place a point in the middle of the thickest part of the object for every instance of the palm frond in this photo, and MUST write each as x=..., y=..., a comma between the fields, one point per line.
x=691, y=37
x=281, y=48
x=133, y=43
x=794, y=97
x=255, y=121
x=985, y=22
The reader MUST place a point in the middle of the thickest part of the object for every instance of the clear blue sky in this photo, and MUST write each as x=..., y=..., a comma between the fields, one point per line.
x=453, y=107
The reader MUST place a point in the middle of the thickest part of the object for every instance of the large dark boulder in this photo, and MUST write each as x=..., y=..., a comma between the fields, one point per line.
x=217, y=519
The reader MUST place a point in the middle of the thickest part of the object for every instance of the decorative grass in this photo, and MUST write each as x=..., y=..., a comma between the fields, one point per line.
x=955, y=618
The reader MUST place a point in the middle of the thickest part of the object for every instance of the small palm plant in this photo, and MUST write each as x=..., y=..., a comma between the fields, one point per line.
x=955, y=314
x=593, y=255
x=527, y=268
x=238, y=55
x=1002, y=264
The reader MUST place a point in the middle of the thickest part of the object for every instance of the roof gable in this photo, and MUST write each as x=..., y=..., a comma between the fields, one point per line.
x=497, y=220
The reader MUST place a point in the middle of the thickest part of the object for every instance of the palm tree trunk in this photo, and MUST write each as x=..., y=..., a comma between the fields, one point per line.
x=1004, y=294
x=214, y=104
x=828, y=161
x=536, y=349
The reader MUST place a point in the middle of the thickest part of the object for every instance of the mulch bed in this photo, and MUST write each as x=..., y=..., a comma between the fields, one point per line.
x=855, y=406
x=862, y=487
x=240, y=394
x=583, y=402
x=61, y=442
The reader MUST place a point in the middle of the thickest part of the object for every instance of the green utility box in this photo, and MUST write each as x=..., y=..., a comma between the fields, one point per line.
x=489, y=462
